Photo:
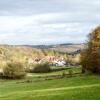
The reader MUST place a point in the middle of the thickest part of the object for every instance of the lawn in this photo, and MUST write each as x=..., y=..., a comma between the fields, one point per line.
x=82, y=87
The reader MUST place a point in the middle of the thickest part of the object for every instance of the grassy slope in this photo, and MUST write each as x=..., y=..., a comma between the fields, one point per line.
x=66, y=70
x=75, y=88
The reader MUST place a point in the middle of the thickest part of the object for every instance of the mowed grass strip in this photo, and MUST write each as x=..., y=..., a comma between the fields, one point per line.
x=53, y=89
x=66, y=93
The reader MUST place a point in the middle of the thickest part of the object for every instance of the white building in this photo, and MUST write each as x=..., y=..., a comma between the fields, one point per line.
x=59, y=63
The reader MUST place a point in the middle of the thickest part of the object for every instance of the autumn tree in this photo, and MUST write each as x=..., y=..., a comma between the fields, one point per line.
x=90, y=57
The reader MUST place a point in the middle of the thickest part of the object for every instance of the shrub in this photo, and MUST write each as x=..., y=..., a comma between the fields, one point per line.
x=70, y=72
x=63, y=74
x=14, y=70
x=42, y=68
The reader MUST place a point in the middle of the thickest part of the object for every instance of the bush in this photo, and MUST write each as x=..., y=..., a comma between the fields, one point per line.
x=41, y=68
x=63, y=74
x=14, y=70
x=70, y=72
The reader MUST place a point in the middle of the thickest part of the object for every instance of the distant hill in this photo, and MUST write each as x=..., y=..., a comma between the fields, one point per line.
x=65, y=48
x=69, y=48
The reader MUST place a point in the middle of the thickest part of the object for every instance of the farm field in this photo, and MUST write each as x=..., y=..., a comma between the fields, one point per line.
x=40, y=87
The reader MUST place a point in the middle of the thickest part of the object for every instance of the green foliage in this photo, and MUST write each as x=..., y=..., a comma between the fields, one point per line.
x=14, y=70
x=90, y=58
x=42, y=68
x=63, y=74
x=70, y=72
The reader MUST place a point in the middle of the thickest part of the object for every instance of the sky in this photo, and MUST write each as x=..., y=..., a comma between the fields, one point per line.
x=36, y=22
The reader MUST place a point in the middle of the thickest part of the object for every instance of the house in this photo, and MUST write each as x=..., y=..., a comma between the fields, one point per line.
x=34, y=61
x=59, y=63
x=55, y=60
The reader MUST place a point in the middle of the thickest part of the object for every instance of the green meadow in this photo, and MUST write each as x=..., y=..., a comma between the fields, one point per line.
x=48, y=87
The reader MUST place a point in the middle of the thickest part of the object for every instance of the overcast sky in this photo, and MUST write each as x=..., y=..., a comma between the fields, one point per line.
x=47, y=21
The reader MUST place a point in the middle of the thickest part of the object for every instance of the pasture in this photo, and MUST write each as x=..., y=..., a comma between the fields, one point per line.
x=48, y=87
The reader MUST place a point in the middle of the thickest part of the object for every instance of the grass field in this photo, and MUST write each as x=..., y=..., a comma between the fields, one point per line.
x=82, y=87
x=66, y=70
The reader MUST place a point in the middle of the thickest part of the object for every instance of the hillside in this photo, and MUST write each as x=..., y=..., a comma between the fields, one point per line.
x=24, y=53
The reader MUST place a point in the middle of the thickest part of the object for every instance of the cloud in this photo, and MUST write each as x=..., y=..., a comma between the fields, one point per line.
x=47, y=21
x=29, y=7
x=6, y=36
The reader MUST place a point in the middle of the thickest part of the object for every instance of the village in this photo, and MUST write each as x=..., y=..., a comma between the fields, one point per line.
x=56, y=60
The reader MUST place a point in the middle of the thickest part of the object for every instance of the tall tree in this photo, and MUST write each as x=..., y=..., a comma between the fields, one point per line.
x=90, y=58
